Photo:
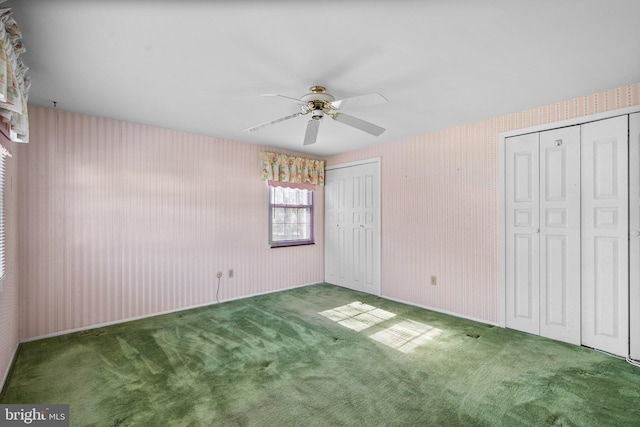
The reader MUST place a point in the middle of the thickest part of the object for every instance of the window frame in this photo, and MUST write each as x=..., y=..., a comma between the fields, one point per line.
x=270, y=209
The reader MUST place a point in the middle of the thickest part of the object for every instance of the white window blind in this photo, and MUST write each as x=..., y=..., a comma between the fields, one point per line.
x=2, y=173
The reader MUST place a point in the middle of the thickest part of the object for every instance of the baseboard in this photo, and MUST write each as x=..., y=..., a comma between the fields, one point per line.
x=450, y=313
x=146, y=316
x=9, y=366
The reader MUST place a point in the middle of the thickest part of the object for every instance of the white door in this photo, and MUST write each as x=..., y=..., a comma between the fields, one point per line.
x=543, y=233
x=352, y=227
x=605, y=238
x=522, y=233
x=560, y=234
x=634, y=238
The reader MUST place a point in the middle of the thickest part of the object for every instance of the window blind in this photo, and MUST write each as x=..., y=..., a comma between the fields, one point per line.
x=2, y=239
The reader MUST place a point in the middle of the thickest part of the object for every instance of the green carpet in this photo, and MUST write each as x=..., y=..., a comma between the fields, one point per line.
x=321, y=356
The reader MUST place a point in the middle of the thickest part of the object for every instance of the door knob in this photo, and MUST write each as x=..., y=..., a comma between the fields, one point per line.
x=635, y=233
x=536, y=231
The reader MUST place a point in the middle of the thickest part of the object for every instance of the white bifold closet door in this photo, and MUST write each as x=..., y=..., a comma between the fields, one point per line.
x=634, y=235
x=573, y=234
x=352, y=227
x=605, y=235
x=543, y=233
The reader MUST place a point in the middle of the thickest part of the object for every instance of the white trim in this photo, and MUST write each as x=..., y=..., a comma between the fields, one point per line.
x=502, y=186
x=162, y=313
x=502, y=206
x=9, y=366
x=438, y=310
x=572, y=122
x=356, y=163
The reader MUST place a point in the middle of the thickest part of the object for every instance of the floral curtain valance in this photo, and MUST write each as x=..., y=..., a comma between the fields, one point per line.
x=14, y=84
x=283, y=168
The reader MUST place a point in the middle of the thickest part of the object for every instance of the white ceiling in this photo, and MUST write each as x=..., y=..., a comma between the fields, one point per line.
x=200, y=66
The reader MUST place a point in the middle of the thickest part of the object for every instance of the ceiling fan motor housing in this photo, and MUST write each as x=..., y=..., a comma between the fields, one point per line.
x=318, y=102
x=317, y=93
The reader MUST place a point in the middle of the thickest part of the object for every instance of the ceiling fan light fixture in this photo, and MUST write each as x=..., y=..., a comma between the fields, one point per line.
x=318, y=102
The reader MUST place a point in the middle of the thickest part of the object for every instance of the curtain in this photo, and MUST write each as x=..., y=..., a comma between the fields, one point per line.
x=14, y=84
x=283, y=168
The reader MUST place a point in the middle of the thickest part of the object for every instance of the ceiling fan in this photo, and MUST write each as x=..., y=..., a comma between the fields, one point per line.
x=319, y=104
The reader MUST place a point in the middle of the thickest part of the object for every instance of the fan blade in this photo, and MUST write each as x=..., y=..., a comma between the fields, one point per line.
x=296, y=100
x=357, y=123
x=312, y=132
x=360, y=101
x=272, y=122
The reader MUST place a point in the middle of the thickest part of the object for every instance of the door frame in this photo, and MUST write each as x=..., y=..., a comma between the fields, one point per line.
x=378, y=232
x=634, y=248
x=501, y=188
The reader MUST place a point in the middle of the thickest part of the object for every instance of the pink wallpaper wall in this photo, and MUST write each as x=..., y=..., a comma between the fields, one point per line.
x=439, y=206
x=9, y=297
x=120, y=220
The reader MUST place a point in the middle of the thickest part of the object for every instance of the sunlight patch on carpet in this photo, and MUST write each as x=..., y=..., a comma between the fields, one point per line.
x=406, y=335
x=357, y=316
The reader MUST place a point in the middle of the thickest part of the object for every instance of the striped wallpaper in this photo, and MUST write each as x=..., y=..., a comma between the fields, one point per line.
x=121, y=220
x=439, y=206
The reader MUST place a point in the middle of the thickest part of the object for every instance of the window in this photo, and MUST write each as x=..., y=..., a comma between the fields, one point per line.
x=290, y=217
x=2, y=162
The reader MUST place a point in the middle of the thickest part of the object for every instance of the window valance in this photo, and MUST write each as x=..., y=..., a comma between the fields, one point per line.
x=283, y=168
x=14, y=84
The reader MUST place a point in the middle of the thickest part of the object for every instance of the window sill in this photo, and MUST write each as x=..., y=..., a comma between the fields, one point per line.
x=289, y=244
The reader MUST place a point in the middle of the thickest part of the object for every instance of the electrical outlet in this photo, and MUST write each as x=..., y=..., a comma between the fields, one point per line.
x=434, y=282
x=230, y=273
x=219, y=274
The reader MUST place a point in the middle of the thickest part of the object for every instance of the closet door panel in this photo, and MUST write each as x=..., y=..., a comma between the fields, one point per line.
x=369, y=226
x=337, y=244
x=522, y=233
x=560, y=234
x=634, y=235
x=605, y=268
